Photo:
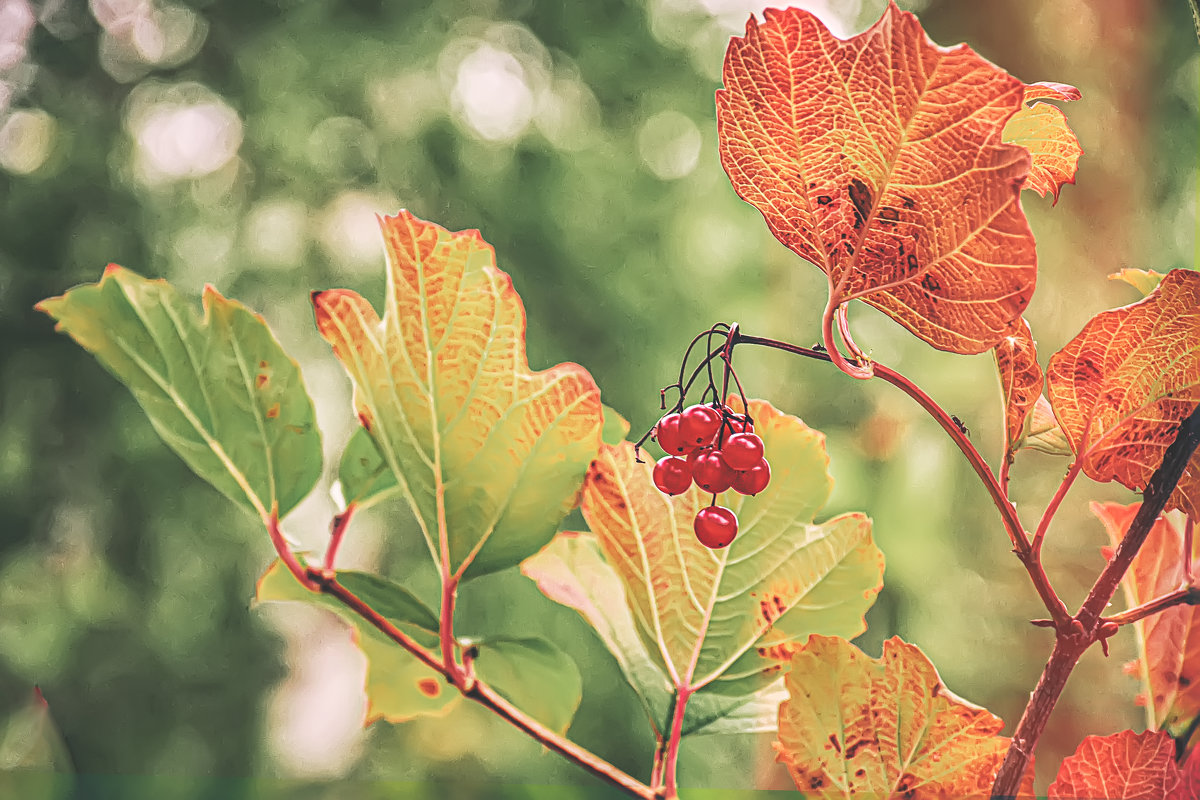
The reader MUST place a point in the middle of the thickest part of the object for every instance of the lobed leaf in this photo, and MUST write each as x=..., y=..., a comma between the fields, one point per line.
x=1042, y=129
x=220, y=391
x=489, y=454
x=887, y=728
x=1169, y=641
x=1121, y=388
x=1122, y=766
x=858, y=151
x=398, y=686
x=720, y=621
x=1021, y=380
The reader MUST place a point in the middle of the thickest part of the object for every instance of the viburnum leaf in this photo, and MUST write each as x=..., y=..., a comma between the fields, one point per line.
x=1042, y=431
x=1121, y=388
x=855, y=726
x=1021, y=379
x=616, y=427
x=398, y=686
x=1121, y=766
x=220, y=391
x=364, y=479
x=489, y=454
x=1189, y=779
x=858, y=151
x=720, y=621
x=1042, y=129
x=1144, y=280
x=1169, y=641
x=534, y=675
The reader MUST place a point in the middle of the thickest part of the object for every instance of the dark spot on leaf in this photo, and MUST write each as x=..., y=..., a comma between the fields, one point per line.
x=816, y=782
x=858, y=773
x=908, y=202
x=429, y=687
x=862, y=198
x=812, y=185
x=913, y=264
x=849, y=248
x=1184, y=682
x=907, y=785
x=365, y=420
x=930, y=284
x=833, y=740
x=261, y=380
x=824, y=200
x=889, y=214
x=1086, y=371
x=902, y=248
x=852, y=748
x=273, y=411
x=916, y=236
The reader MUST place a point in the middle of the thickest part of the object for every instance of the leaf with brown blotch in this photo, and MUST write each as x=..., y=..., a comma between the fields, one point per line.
x=859, y=151
x=855, y=726
x=1121, y=766
x=1021, y=379
x=489, y=455
x=1121, y=388
x=1042, y=129
x=1169, y=641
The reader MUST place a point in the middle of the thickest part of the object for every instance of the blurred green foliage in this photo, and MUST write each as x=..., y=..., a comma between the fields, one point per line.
x=247, y=143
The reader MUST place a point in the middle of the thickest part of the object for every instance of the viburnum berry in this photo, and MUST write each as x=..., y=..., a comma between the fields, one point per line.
x=669, y=438
x=742, y=450
x=754, y=480
x=698, y=425
x=709, y=471
x=715, y=527
x=672, y=475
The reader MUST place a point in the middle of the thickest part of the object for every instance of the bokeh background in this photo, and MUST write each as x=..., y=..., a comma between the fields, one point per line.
x=249, y=144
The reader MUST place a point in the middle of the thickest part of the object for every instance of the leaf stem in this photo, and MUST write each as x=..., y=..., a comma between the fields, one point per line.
x=479, y=692
x=1056, y=501
x=284, y=551
x=670, y=789
x=835, y=355
x=1183, y=596
x=1069, y=645
x=337, y=531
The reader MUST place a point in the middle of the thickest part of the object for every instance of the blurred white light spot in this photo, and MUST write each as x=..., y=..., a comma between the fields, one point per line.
x=837, y=15
x=26, y=139
x=492, y=94
x=568, y=114
x=277, y=233
x=349, y=232
x=669, y=145
x=16, y=23
x=185, y=139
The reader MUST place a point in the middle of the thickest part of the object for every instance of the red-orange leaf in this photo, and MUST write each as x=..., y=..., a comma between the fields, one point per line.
x=1123, y=766
x=1020, y=378
x=879, y=159
x=1121, y=388
x=1042, y=129
x=1169, y=641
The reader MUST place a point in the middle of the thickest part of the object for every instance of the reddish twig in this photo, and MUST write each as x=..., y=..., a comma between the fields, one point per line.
x=1056, y=500
x=1183, y=596
x=284, y=550
x=1088, y=624
x=337, y=530
x=670, y=788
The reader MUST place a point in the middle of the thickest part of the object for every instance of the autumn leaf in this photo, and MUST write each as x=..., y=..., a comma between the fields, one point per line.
x=1122, y=766
x=718, y=621
x=220, y=391
x=488, y=454
x=858, y=151
x=1144, y=280
x=1042, y=129
x=855, y=726
x=1020, y=379
x=1121, y=388
x=1169, y=641
x=1042, y=432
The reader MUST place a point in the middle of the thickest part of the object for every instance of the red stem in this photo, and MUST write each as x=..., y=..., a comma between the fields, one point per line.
x=337, y=531
x=1183, y=596
x=1189, y=566
x=1052, y=507
x=286, y=555
x=834, y=355
x=671, y=758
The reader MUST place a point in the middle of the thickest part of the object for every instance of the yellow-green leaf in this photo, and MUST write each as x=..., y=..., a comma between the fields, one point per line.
x=533, y=675
x=1144, y=280
x=220, y=391
x=489, y=454
x=363, y=476
x=854, y=726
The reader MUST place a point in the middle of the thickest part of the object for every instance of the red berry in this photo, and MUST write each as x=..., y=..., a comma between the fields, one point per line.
x=753, y=480
x=698, y=425
x=709, y=472
x=742, y=450
x=672, y=475
x=668, y=436
x=715, y=527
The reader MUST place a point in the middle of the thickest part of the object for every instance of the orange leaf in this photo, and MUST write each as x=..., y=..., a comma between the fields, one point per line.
x=1121, y=388
x=1189, y=783
x=879, y=159
x=1122, y=766
x=1042, y=129
x=1169, y=641
x=1020, y=378
x=489, y=454
x=854, y=726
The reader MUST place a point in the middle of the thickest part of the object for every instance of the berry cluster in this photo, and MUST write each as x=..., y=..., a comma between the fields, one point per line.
x=717, y=450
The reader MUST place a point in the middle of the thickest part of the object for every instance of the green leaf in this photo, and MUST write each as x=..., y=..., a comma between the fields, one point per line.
x=363, y=476
x=30, y=739
x=488, y=453
x=533, y=675
x=572, y=571
x=616, y=427
x=220, y=391
x=398, y=686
